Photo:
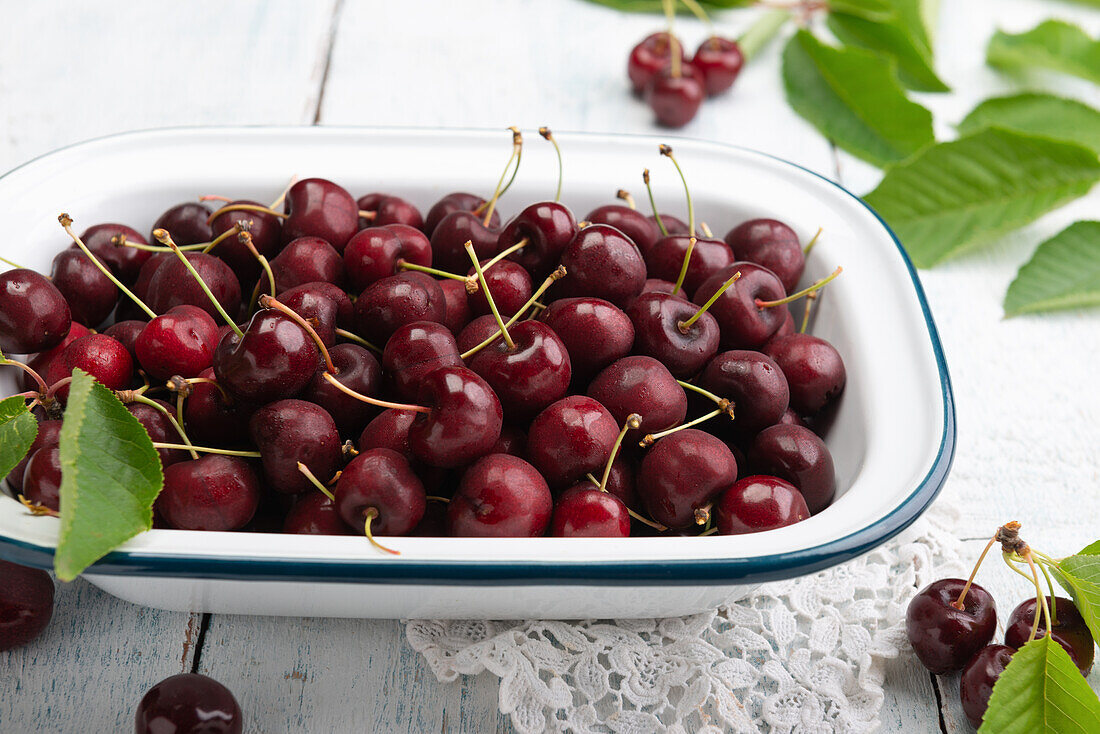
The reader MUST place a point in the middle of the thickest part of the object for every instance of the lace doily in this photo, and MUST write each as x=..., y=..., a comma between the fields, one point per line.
x=806, y=655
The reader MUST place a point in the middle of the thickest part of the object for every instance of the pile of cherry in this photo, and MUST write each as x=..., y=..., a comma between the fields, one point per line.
x=439, y=375
x=674, y=86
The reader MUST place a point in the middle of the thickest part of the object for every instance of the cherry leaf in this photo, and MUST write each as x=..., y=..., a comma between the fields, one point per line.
x=1080, y=575
x=110, y=476
x=1038, y=114
x=18, y=429
x=1092, y=549
x=1063, y=273
x=1053, y=44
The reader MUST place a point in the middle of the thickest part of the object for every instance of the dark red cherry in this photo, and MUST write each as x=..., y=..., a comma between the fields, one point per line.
x=357, y=369
x=389, y=209
x=675, y=100
x=595, y=333
x=141, y=285
x=287, y=432
x=799, y=456
x=641, y=230
x=449, y=240
x=759, y=503
x=530, y=376
x=476, y=332
x=212, y=492
x=305, y=260
x=274, y=359
x=388, y=304
x=500, y=496
x=665, y=260
x=389, y=430
x=548, y=228
x=978, y=679
x=510, y=285
x=621, y=480
x=644, y=386
x=48, y=432
x=34, y=315
x=1069, y=628
x=414, y=351
x=316, y=207
x=181, y=342
x=40, y=362
x=105, y=241
x=464, y=422
x=650, y=56
x=512, y=441
x=90, y=294
x=657, y=320
x=26, y=604
x=188, y=703
x=212, y=418
x=305, y=295
x=382, y=480
x=719, y=60
x=743, y=324
x=570, y=438
x=602, y=263
x=314, y=514
x=265, y=229
x=785, y=329
x=682, y=474
x=173, y=285
x=583, y=511
x=100, y=356
x=42, y=478
x=944, y=636
x=813, y=368
x=376, y=252
x=456, y=202
x=754, y=383
x=770, y=244
x=673, y=225
x=159, y=428
x=790, y=418
x=127, y=333
x=317, y=308
x=186, y=223
x=458, y=307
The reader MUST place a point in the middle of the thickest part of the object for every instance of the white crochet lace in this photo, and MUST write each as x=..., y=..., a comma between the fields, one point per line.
x=806, y=655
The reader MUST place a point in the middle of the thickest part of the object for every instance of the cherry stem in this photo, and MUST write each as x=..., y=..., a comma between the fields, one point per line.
x=43, y=388
x=684, y=326
x=123, y=242
x=958, y=603
x=653, y=203
x=1050, y=586
x=370, y=514
x=708, y=531
x=667, y=151
x=137, y=398
x=67, y=225
x=437, y=498
x=723, y=403
x=55, y=387
x=702, y=514
x=267, y=301
x=684, y=267
x=235, y=229
x=214, y=197
x=633, y=423
x=674, y=51
x=644, y=520
x=762, y=31
x=245, y=208
x=182, y=385
x=504, y=253
x=207, y=450
x=315, y=481
x=705, y=229
x=517, y=155
x=163, y=237
x=344, y=333
x=813, y=241
x=651, y=438
x=1039, y=598
x=245, y=238
x=818, y=285
x=545, y=133
x=368, y=215
x=13, y=264
x=403, y=264
x=488, y=295
x=282, y=194
x=558, y=274
x=37, y=510
x=811, y=298
x=625, y=196
x=373, y=401
x=697, y=10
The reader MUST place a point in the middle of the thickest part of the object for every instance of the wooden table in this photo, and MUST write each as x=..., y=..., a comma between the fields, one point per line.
x=1029, y=411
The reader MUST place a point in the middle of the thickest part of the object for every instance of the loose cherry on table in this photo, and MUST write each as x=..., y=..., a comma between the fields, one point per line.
x=212, y=492
x=813, y=368
x=188, y=703
x=26, y=604
x=650, y=56
x=357, y=369
x=682, y=474
x=377, y=210
x=378, y=251
x=188, y=222
x=947, y=627
x=378, y=493
x=602, y=263
x=290, y=432
x=34, y=315
x=978, y=679
x=570, y=438
x=500, y=496
x=595, y=333
x=719, y=60
x=316, y=207
x=772, y=245
x=758, y=503
x=799, y=456
x=675, y=95
x=1068, y=628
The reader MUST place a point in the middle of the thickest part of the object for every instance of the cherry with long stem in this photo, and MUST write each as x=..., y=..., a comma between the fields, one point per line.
x=282, y=194
x=503, y=254
x=674, y=43
x=267, y=301
x=471, y=282
x=685, y=326
x=725, y=405
x=43, y=388
x=370, y=514
x=811, y=299
x=633, y=422
x=384, y=404
x=164, y=238
x=640, y=518
x=684, y=267
x=545, y=133
x=799, y=294
x=245, y=208
x=245, y=238
x=651, y=438
x=207, y=450
x=67, y=224
x=813, y=241
x=315, y=481
x=667, y=152
x=533, y=301
x=345, y=334
x=135, y=397
x=488, y=295
x=958, y=603
x=653, y=203
x=15, y=265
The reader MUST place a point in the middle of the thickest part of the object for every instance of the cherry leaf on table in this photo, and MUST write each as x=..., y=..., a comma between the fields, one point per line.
x=110, y=476
x=1053, y=44
x=853, y=97
x=1064, y=272
x=18, y=429
x=1080, y=575
x=1038, y=114
x=966, y=192
x=1041, y=692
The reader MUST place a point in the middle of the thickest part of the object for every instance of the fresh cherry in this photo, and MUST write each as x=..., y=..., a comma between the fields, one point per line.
x=570, y=438
x=602, y=263
x=47, y=436
x=650, y=56
x=595, y=333
x=26, y=604
x=644, y=386
x=528, y=376
x=90, y=294
x=97, y=354
x=978, y=679
x=389, y=209
x=510, y=285
x=665, y=260
x=316, y=207
x=548, y=228
x=464, y=421
x=289, y=432
x=317, y=308
x=770, y=244
x=755, y=384
x=305, y=260
x=126, y=333
x=456, y=202
x=34, y=315
x=305, y=297
x=458, y=305
x=173, y=285
x=675, y=99
x=274, y=359
x=186, y=223
x=583, y=511
x=449, y=240
x=943, y=635
x=389, y=430
x=796, y=454
x=212, y=492
x=107, y=242
x=188, y=703
x=180, y=342
x=682, y=474
x=379, y=485
x=512, y=441
x=759, y=503
x=414, y=351
x=40, y=362
x=42, y=478
x=1069, y=629
x=743, y=324
x=265, y=230
x=661, y=331
x=213, y=418
x=476, y=332
x=159, y=428
x=356, y=368
x=641, y=230
x=314, y=514
x=377, y=252
x=500, y=496
x=813, y=368
x=719, y=60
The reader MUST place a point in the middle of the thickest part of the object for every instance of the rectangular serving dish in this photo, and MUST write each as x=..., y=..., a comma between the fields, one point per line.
x=892, y=441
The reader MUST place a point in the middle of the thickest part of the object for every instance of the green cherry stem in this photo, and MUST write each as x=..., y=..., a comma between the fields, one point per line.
x=697, y=10
x=633, y=423
x=813, y=241
x=670, y=14
x=245, y=238
x=651, y=438
x=67, y=225
x=811, y=298
x=685, y=326
x=958, y=603
x=818, y=285
x=345, y=334
x=625, y=195
x=684, y=267
x=533, y=301
x=488, y=295
x=267, y=301
x=517, y=156
x=163, y=237
x=245, y=208
x=136, y=398
x=370, y=515
x=1050, y=587
x=315, y=481
x=705, y=229
x=503, y=254
x=546, y=134
x=471, y=282
x=667, y=152
x=722, y=403
x=207, y=450
x=384, y=404
x=1038, y=597
x=13, y=264
x=653, y=203
x=282, y=194
x=640, y=518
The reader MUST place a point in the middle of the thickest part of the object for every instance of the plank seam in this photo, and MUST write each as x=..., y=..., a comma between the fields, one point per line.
x=337, y=11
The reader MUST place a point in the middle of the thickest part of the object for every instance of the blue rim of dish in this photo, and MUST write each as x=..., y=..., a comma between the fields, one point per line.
x=675, y=572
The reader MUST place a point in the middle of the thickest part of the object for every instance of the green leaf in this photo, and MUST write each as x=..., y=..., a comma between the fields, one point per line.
x=1044, y=115
x=1041, y=692
x=868, y=9
x=110, y=475
x=1064, y=272
x=903, y=38
x=966, y=192
x=656, y=6
x=1081, y=576
x=1053, y=44
x=853, y=97
x=18, y=429
x=1094, y=548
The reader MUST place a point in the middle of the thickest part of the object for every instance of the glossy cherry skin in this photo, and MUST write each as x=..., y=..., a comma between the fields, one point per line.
x=212, y=492
x=595, y=333
x=641, y=230
x=125, y=262
x=48, y=432
x=450, y=237
x=275, y=359
x=381, y=479
x=97, y=354
x=770, y=244
x=799, y=456
x=376, y=252
x=389, y=209
x=458, y=307
x=510, y=285
x=188, y=703
x=388, y=304
x=210, y=419
x=90, y=294
x=476, y=332
x=40, y=362
x=180, y=342
x=644, y=386
x=314, y=514
x=675, y=100
x=456, y=202
x=464, y=422
x=173, y=285
x=160, y=429
x=943, y=636
x=357, y=369
x=759, y=503
x=414, y=351
x=621, y=480
x=26, y=604
x=755, y=384
x=266, y=231
x=719, y=60
x=307, y=295
x=529, y=377
x=34, y=315
x=785, y=329
x=1070, y=630
x=978, y=679
x=570, y=438
x=388, y=430
x=42, y=478
x=186, y=223
x=126, y=333
x=583, y=511
x=500, y=496
x=305, y=260
x=673, y=225
x=743, y=324
x=665, y=260
x=548, y=228
x=602, y=262
x=316, y=207
x=657, y=333
x=813, y=368
x=317, y=308
x=651, y=55
x=683, y=473
x=290, y=431
x=512, y=441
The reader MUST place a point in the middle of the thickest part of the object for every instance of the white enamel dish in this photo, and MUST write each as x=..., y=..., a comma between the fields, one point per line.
x=892, y=441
